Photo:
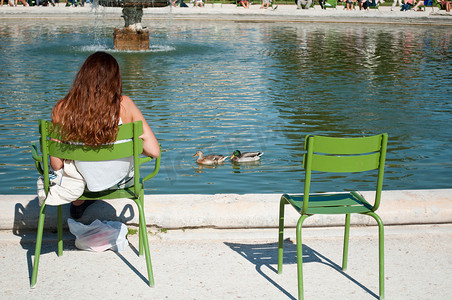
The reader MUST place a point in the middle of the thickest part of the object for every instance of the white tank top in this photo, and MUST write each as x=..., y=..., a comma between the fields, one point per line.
x=102, y=175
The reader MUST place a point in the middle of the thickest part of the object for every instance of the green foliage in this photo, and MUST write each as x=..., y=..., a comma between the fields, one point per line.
x=132, y=231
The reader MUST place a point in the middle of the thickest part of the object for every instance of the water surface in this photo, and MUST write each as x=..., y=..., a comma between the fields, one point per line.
x=221, y=86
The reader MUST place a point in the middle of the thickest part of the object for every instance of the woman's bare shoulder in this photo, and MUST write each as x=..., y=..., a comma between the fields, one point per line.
x=128, y=109
x=126, y=101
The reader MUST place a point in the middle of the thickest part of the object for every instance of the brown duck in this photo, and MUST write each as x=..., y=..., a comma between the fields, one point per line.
x=209, y=159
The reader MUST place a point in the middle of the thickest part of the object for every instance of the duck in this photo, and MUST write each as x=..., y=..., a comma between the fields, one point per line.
x=209, y=159
x=238, y=156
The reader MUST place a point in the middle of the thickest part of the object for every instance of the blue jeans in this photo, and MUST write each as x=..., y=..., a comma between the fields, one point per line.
x=406, y=6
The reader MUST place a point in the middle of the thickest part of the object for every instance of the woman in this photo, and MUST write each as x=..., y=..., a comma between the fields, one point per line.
x=91, y=113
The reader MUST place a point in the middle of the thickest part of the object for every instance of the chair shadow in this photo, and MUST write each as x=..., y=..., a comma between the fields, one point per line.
x=135, y=270
x=26, y=221
x=267, y=255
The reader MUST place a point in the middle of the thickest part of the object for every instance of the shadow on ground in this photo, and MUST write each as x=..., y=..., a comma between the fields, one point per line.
x=26, y=221
x=267, y=255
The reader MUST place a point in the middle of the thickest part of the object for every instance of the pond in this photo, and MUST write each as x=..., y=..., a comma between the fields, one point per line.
x=221, y=86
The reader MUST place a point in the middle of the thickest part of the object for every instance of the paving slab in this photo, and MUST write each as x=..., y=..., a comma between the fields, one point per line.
x=235, y=264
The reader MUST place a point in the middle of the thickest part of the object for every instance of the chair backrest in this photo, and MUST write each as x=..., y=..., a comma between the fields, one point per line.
x=331, y=154
x=127, y=144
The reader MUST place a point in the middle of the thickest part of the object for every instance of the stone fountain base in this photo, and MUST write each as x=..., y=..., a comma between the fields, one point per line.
x=131, y=39
x=133, y=36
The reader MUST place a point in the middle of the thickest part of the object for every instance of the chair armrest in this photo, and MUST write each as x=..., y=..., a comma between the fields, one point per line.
x=37, y=158
x=145, y=160
x=156, y=167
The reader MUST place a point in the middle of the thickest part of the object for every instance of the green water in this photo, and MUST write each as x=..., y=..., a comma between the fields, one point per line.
x=221, y=86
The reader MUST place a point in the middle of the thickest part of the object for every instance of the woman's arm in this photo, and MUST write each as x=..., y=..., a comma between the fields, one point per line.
x=132, y=113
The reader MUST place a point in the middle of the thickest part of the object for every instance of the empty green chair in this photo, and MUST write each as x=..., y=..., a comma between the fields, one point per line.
x=131, y=145
x=329, y=154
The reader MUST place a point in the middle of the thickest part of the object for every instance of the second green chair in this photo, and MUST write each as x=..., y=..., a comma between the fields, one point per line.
x=337, y=155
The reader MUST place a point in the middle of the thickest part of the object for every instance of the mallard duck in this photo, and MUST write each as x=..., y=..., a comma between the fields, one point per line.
x=237, y=156
x=209, y=159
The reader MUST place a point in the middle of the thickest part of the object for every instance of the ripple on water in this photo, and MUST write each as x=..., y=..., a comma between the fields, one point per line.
x=223, y=86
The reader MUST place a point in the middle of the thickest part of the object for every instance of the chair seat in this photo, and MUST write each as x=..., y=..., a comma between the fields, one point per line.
x=340, y=203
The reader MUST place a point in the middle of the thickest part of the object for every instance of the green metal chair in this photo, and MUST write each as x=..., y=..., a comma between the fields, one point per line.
x=329, y=154
x=131, y=145
x=330, y=4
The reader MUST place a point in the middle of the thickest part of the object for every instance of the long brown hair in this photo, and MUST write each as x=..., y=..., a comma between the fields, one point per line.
x=89, y=113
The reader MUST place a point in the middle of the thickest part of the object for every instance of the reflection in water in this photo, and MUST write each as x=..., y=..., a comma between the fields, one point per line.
x=356, y=82
x=245, y=167
x=221, y=86
x=201, y=167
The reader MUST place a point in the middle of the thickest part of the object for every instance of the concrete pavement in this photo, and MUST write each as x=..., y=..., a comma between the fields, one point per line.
x=236, y=258
x=235, y=264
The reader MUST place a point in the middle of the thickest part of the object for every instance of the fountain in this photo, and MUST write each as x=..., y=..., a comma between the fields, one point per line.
x=133, y=36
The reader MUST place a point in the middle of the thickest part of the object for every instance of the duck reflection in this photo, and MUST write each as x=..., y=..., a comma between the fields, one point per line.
x=201, y=167
x=238, y=167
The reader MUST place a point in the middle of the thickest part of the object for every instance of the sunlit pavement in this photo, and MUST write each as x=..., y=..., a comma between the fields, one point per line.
x=235, y=264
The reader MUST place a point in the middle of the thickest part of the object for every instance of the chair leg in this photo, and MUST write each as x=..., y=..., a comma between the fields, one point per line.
x=282, y=204
x=380, y=254
x=346, y=239
x=141, y=233
x=140, y=236
x=300, y=257
x=145, y=243
x=42, y=216
x=60, y=229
